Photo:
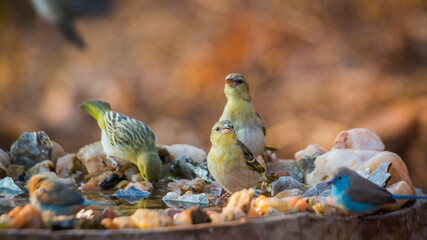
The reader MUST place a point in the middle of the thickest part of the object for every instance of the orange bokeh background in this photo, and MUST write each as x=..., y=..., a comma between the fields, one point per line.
x=314, y=68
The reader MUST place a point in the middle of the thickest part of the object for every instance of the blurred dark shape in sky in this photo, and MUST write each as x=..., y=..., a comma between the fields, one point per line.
x=61, y=14
x=314, y=68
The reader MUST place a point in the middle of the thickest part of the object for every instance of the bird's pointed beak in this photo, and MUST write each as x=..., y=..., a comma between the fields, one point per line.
x=226, y=128
x=230, y=82
x=332, y=181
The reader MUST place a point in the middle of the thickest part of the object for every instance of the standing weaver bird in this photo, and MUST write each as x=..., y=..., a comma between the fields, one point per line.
x=230, y=162
x=240, y=110
x=126, y=138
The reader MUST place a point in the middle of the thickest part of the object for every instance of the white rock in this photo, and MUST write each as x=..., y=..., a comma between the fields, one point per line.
x=179, y=150
x=327, y=164
x=309, y=150
x=359, y=138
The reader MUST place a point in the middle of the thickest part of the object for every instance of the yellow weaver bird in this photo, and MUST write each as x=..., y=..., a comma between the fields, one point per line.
x=126, y=138
x=230, y=162
x=240, y=110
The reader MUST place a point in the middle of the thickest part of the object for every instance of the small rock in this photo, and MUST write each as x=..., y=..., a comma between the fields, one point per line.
x=193, y=215
x=41, y=167
x=94, y=163
x=285, y=183
x=108, y=223
x=123, y=222
x=95, y=181
x=196, y=185
x=312, y=149
x=137, y=177
x=241, y=199
x=263, y=204
x=91, y=150
x=359, y=138
x=379, y=176
x=185, y=150
x=145, y=218
x=8, y=188
x=58, y=151
x=174, y=199
x=129, y=172
x=186, y=168
x=15, y=171
x=131, y=193
x=4, y=162
x=26, y=217
x=320, y=189
x=111, y=180
x=65, y=165
x=288, y=193
x=31, y=148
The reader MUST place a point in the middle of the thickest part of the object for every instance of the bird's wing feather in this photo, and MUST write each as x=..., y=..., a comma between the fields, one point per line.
x=365, y=191
x=54, y=193
x=250, y=159
x=126, y=131
x=264, y=130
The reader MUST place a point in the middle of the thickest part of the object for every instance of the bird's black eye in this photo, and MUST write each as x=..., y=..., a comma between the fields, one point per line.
x=217, y=129
x=339, y=178
x=239, y=82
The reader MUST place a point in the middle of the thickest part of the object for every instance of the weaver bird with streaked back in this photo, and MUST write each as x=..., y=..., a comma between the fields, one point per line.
x=356, y=194
x=230, y=162
x=126, y=138
x=240, y=110
x=49, y=194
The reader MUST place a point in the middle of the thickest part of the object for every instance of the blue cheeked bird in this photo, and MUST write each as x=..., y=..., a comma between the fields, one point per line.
x=356, y=194
x=49, y=194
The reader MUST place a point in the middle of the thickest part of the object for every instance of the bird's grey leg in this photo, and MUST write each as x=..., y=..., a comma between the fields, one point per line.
x=266, y=164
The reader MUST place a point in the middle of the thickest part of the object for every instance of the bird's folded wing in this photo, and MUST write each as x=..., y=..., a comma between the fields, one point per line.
x=250, y=159
x=367, y=192
x=123, y=130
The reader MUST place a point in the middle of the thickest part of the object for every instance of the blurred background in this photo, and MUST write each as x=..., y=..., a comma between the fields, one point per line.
x=315, y=68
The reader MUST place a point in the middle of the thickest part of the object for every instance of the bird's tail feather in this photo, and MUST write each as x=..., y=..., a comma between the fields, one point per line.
x=409, y=197
x=95, y=107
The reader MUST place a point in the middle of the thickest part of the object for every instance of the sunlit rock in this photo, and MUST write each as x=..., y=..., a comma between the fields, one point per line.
x=358, y=138
x=312, y=149
x=8, y=188
x=145, y=218
x=41, y=167
x=285, y=183
x=189, y=199
x=31, y=148
x=184, y=150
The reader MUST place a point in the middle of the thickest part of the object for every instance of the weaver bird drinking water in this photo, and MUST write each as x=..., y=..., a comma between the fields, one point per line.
x=230, y=162
x=47, y=193
x=240, y=110
x=356, y=194
x=126, y=138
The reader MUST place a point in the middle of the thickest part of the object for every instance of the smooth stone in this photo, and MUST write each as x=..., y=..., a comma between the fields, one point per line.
x=285, y=183
x=31, y=148
x=8, y=188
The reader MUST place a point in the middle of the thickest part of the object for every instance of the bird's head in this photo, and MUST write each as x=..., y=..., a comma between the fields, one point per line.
x=341, y=179
x=35, y=182
x=223, y=132
x=150, y=166
x=236, y=86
